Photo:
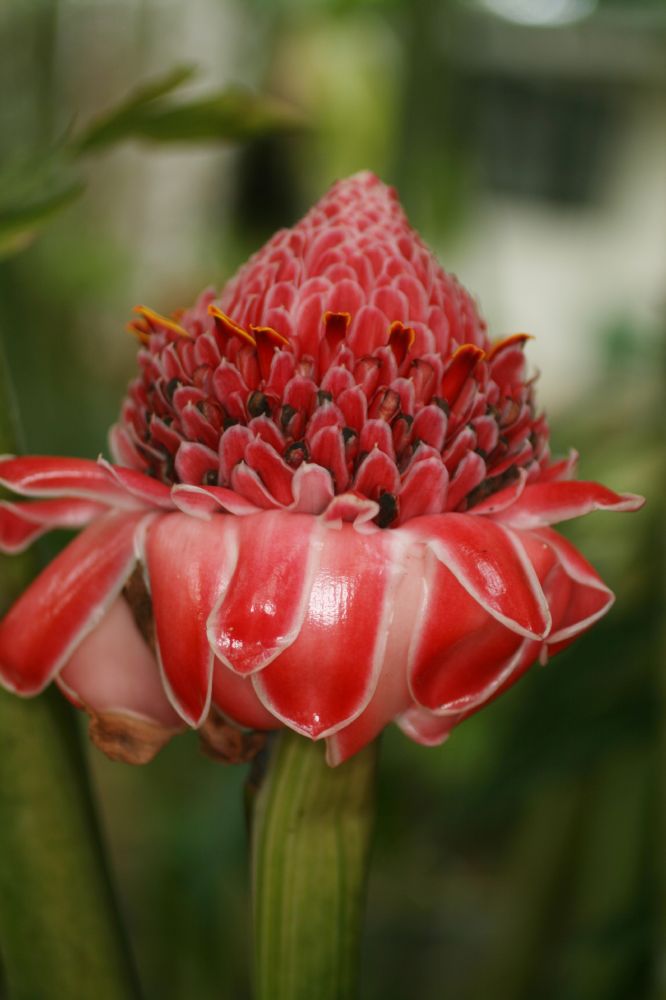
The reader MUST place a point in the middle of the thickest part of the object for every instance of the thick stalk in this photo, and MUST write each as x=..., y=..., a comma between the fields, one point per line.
x=311, y=834
x=60, y=935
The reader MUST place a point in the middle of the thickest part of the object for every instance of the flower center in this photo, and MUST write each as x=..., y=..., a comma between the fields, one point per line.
x=217, y=404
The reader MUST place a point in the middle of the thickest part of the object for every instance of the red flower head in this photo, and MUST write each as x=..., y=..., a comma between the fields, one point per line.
x=337, y=493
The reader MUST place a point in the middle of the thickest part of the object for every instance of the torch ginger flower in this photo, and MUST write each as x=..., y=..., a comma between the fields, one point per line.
x=330, y=508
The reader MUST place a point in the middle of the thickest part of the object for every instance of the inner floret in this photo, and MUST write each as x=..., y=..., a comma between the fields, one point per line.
x=221, y=404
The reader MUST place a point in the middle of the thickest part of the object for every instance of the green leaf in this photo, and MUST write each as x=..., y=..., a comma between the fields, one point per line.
x=32, y=190
x=118, y=123
x=227, y=115
x=230, y=115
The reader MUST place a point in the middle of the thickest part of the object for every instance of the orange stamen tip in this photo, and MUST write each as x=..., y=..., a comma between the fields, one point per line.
x=514, y=338
x=336, y=317
x=398, y=329
x=278, y=338
x=137, y=331
x=470, y=351
x=155, y=319
x=230, y=328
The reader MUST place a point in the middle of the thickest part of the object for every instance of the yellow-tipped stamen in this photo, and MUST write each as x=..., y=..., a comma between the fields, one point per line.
x=228, y=326
x=400, y=339
x=155, y=319
x=278, y=339
x=514, y=338
x=337, y=320
x=141, y=333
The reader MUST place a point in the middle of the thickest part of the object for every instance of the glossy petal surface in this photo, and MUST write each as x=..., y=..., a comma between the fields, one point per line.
x=189, y=563
x=65, y=602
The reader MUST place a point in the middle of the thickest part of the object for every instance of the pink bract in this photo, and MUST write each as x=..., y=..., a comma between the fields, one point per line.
x=330, y=509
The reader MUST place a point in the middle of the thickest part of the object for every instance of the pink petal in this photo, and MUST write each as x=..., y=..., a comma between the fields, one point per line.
x=424, y=489
x=327, y=677
x=424, y=727
x=45, y=625
x=458, y=651
x=47, y=476
x=123, y=449
x=189, y=563
x=195, y=462
x=204, y=501
x=312, y=487
x=492, y=566
x=586, y=598
x=236, y=698
x=249, y=485
x=113, y=670
x=262, y=612
x=391, y=696
x=565, y=468
x=135, y=484
x=352, y=508
x=550, y=502
x=22, y=523
x=499, y=501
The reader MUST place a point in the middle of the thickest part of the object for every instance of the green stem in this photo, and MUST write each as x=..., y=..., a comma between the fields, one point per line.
x=60, y=935
x=311, y=834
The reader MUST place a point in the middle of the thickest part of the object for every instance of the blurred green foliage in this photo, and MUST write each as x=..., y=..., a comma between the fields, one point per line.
x=525, y=857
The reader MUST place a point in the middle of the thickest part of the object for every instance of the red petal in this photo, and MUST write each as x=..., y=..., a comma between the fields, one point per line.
x=203, y=501
x=135, y=484
x=326, y=678
x=236, y=698
x=47, y=476
x=263, y=610
x=458, y=650
x=274, y=471
x=248, y=483
x=565, y=468
x=123, y=449
x=425, y=727
x=64, y=603
x=195, y=462
x=351, y=507
x=22, y=523
x=391, y=696
x=492, y=565
x=312, y=487
x=189, y=565
x=586, y=596
x=499, y=501
x=548, y=503
x=377, y=474
x=424, y=489
x=470, y=473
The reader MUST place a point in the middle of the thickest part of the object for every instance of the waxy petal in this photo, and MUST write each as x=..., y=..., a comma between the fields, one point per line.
x=312, y=487
x=189, y=564
x=113, y=670
x=492, y=566
x=425, y=727
x=22, y=523
x=327, y=677
x=144, y=488
x=391, y=696
x=547, y=503
x=234, y=696
x=204, y=501
x=47, y=476
x=457, y=649
x=262, y=612
x=587, y=596
x=66, y=601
